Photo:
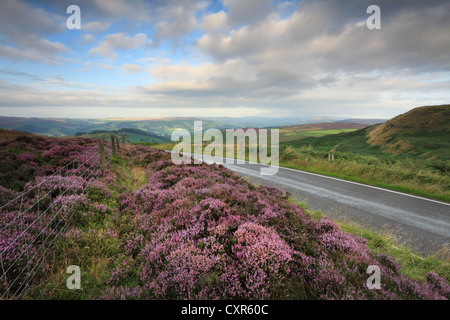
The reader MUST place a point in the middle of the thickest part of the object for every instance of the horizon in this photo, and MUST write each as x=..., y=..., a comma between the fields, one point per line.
x=319, y=118
x=222, y=58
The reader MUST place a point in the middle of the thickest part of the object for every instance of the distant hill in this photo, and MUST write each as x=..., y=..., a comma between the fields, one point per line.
x=68, y=127
x=423, y=133
x=160, y=126
x=326, y=126
x=293, y=133
x=366, y=121
x=131, y=135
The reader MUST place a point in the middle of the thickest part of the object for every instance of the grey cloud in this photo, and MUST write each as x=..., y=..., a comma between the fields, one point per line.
x=15, y=73
x=23, y=27
x=20, y=17
x=325, y=36
x=248, y=11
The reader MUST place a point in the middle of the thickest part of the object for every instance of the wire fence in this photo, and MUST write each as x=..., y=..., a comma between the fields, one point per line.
x=39, y=216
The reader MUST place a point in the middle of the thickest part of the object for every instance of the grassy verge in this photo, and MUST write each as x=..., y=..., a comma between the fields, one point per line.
x=413, y=265
x=398, y=175
x=405, y=187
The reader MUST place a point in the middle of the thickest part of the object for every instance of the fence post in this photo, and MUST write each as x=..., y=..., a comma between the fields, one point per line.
x=102, y=153
x=113, y=145
x=117, y=142
x=123, y=138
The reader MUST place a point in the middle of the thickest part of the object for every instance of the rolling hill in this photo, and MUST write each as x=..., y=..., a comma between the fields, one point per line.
x=423, y=133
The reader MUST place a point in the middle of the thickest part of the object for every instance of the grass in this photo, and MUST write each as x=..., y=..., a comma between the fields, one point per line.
x=399, y=175
x=413, y=265
x=8, y=135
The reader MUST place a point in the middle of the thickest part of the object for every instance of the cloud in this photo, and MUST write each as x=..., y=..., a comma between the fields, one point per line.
x=105, y=12
x=131, y=68
x=44, y=50
x=277, y=57
x=24, y=29
x=118, y=41
x=232, y=78
x=89, y=65
x=96, y=26
x=19, y=17
x=214, y=22
x=324, y=36
x=176, y=19
x=88, y=38
x=21, y=74
x=248, y=11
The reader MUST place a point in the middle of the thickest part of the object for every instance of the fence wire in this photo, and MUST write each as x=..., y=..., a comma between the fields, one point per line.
x=33, y=238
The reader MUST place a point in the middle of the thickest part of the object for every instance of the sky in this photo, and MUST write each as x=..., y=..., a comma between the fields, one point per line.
x=230, y=58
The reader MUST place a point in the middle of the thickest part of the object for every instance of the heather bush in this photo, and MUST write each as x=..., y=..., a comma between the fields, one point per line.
x=202, y=232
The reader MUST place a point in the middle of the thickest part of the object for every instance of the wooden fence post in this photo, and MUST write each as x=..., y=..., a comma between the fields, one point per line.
x=113, y=145
x=102, y=152
x=123, y=138
x=117, y=143
x=331, y=156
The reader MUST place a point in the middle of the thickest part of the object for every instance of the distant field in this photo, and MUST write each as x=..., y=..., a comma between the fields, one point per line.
x=316, y=130
x=288, y=136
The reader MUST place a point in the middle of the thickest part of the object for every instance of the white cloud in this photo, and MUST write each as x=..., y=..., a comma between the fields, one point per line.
x=214, y=22
x=131, y=68
x=118, y=41
x=88, y=38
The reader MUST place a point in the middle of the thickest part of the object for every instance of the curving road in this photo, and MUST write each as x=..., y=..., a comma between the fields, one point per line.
x=417, y=222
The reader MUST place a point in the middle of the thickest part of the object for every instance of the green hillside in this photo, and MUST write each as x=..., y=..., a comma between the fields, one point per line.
x=422, y=133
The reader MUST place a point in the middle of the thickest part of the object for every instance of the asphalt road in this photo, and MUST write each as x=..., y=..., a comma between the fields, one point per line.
x=419, y=223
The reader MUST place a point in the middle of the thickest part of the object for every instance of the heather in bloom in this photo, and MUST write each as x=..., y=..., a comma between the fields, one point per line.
x=202, y=232
x=188, y=232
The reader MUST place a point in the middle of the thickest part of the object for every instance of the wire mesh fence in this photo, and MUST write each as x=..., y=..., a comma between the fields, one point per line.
x=34, y=220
